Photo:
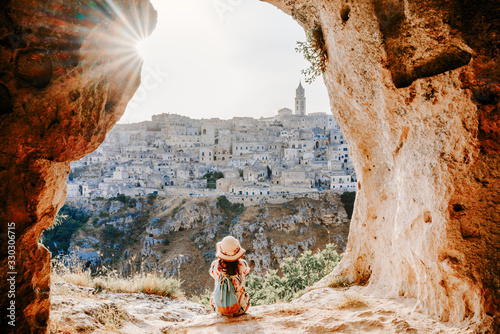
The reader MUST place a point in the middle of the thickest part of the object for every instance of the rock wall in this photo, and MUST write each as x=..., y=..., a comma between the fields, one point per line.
x=59, y=95
x=414, y=86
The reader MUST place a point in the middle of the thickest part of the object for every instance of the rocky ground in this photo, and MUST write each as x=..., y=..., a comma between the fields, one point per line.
x=76, y=309
x=321, y=310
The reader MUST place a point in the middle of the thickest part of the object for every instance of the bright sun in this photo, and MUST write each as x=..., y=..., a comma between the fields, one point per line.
x=141, y=47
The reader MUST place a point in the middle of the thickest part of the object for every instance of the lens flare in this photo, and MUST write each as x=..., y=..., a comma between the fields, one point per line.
x=141, y=48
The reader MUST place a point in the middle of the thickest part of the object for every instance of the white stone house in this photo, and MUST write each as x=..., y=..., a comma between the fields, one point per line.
x=206, y=155
x=342, y=181
x=73, y=189
x=250, y=190
x=254, y=174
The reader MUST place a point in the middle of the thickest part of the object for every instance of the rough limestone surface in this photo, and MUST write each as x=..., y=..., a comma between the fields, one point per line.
x=320, y=310
x=415, y=88
x=413, y=84
x=67, y=71
x=77, y=309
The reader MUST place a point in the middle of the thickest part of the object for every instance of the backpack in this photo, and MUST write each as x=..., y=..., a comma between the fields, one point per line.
x=225, y=299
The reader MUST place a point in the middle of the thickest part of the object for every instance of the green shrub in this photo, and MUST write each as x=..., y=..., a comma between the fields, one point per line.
x=212, y=178
x=111, y=234
x=104, y=214
x=297, y=275
x=152, y=198
x=121, y=198
x=230, y=210
x=314, y=51
x=57, y=237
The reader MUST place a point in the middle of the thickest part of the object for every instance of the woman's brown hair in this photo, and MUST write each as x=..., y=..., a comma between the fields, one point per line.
x=230, y=268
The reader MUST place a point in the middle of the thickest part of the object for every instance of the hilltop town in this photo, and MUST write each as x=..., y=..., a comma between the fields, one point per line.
x=243, y=158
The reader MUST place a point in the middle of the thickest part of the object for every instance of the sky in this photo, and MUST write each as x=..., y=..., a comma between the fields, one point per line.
x=221, y=58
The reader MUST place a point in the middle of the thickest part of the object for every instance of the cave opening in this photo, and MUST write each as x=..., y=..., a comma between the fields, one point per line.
x=158, y=78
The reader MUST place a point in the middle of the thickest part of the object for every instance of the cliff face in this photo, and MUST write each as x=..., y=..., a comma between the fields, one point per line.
x=414, y=86
x=177, y=235
x=59, y=95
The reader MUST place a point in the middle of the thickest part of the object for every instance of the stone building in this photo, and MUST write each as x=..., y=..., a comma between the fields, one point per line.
x=301, y=151
x=300, y=101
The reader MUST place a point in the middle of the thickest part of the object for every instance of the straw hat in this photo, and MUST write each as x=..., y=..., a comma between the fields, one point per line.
x=229, y=249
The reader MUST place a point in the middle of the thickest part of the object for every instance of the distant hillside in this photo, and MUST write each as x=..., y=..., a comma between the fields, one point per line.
x=177, y=235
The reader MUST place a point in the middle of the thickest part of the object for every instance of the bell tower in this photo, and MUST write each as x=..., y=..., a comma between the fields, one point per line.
x=300, y=101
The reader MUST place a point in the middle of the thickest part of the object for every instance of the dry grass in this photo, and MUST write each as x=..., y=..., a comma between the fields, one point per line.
x=337, y=282
x=171, y=330
x=290, y=310
x=60, y=327
x=203, y=299
x=110, y=315
x=150, y=283
x=352, y=300
x=70, y=270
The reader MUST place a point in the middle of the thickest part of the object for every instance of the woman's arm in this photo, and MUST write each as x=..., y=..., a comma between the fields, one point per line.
x=243, y=267
x=215, y=270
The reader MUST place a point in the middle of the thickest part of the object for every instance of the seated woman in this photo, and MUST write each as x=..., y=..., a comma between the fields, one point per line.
x=230, y=264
